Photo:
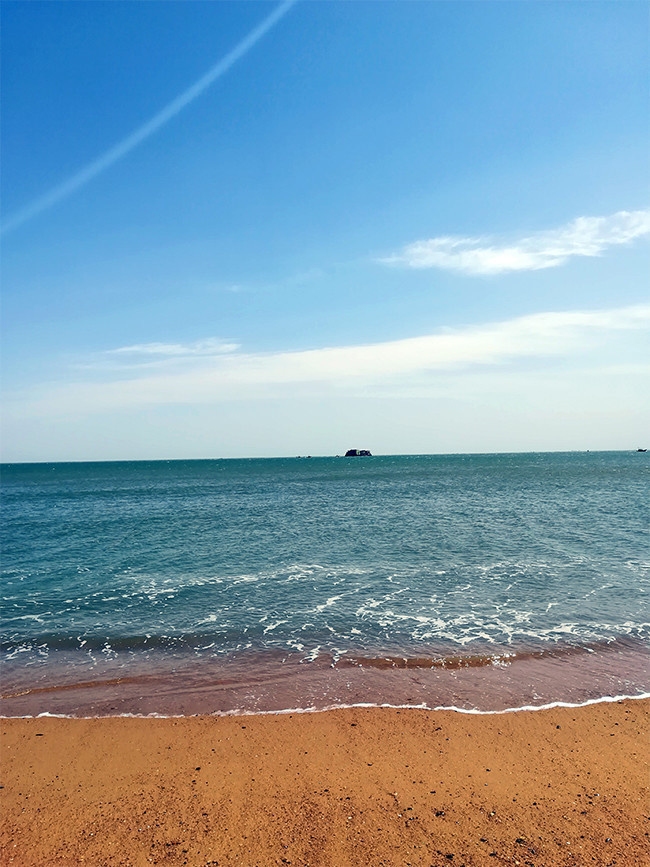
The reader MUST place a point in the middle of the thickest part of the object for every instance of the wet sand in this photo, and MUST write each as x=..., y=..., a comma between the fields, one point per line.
x=362, y=786
x=264, y=681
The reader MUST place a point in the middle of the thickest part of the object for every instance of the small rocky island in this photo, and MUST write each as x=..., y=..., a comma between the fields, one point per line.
x=358, y=453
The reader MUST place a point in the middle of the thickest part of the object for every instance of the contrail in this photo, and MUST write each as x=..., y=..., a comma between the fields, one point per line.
x=123, y=147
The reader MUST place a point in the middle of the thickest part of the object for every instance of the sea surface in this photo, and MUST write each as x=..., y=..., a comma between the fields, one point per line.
x=481, y=582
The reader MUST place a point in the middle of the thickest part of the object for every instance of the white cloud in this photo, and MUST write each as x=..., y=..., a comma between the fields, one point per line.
x=389, y=365
x=585, y=236
x=209, y=346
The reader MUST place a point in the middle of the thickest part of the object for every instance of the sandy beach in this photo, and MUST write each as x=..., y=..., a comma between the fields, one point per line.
x=362, y=786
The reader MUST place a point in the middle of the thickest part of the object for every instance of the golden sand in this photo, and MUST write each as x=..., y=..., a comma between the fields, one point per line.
x=372, y=786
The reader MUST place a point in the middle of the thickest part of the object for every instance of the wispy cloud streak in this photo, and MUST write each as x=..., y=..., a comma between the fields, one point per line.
x=209, y=346
x=126, y=145
x=585, y=236
x=239, y=375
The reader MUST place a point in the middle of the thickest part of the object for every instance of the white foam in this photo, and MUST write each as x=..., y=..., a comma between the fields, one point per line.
x=328, y=603
x=273, y=626
x=606, y=699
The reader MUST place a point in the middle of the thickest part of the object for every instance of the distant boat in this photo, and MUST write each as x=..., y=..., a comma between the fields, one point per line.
x=642, y=450
x=358, y=453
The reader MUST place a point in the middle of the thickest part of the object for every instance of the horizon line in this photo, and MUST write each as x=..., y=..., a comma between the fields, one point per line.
x=628, y=450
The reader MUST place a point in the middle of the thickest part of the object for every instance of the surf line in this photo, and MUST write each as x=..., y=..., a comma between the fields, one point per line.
x=605, y=699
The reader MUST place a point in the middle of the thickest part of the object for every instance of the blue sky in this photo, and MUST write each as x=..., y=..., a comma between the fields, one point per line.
x=410, y=227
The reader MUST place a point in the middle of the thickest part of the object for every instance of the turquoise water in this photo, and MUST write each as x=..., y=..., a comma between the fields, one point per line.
x=217, y=578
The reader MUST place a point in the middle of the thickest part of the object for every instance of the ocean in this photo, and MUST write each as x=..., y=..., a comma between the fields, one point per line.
x=480, y=582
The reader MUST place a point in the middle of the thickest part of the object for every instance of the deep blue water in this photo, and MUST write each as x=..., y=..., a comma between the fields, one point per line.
x=364, y=557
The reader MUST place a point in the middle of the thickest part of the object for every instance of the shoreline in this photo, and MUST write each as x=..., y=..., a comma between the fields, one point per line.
x=355, y=786
x=186, y=685
x=604, y=699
